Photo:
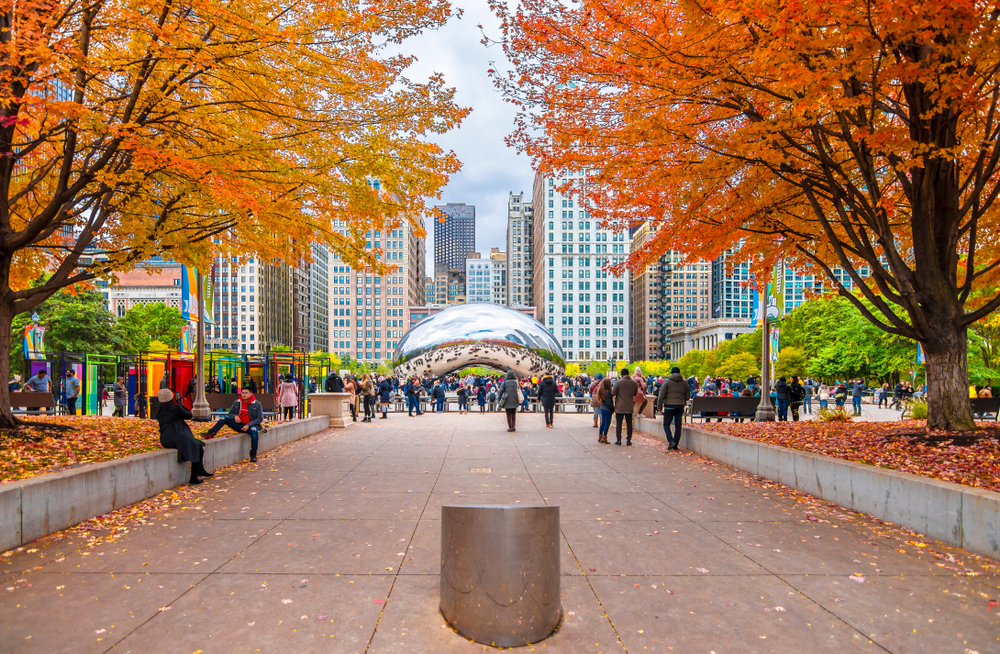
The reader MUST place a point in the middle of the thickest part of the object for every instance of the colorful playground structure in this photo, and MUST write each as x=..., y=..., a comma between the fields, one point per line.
x=143, y=374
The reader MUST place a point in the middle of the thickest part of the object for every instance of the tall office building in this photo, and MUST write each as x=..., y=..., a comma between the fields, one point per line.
x=367, y=310
x=520, y=231
x=252, y=306
x=732, y=296
x=301, y=306
x=486, y=279
x=454, y=235
x=450, y=286
x=668, y=296
x=581, y=303
x=319, y=282
x=430, y=291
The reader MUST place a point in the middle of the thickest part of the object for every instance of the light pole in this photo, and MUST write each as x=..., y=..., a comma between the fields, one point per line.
x=765, y=410
x=200, y=409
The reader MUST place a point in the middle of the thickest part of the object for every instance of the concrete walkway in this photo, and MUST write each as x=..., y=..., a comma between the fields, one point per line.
x=331, y=544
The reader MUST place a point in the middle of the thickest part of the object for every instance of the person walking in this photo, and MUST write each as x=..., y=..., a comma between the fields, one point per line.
x=288, y=398
x=72, y=391
x=463, y=399
x=509, y=399
x=368, y=396
x=857, y=392
x=640, y=396
x=438, y=392
x=606, y=407
x=807, y=401
x=796, y=394
x=175, y=434
x=624, y=392
x=351, y=387
x=245, y=416
x=824, y=395
x=481, y=398
x=547, y=390
x=411, y=390
x=385, y=395
x=782, y=398
x=120, y=398
x=674, y=394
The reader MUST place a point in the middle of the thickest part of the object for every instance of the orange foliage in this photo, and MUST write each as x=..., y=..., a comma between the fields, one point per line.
x=147, y=127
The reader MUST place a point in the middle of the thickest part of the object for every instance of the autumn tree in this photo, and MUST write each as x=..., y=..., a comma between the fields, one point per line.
x=252, y=128
x=856, y=140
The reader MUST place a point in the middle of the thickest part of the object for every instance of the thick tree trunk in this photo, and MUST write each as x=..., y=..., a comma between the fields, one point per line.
x=7, y=419
x=948, y=381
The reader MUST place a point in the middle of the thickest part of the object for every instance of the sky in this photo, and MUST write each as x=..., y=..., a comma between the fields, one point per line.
x=490, y=170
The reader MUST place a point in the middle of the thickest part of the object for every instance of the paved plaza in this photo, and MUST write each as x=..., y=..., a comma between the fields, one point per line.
x=332, y=545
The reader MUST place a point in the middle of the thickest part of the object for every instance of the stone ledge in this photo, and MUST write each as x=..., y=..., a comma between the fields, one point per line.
x=36, y=507
x=955, y=514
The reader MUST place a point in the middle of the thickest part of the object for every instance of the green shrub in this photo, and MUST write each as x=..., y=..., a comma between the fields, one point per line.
x=834, y=415
x=918, y=410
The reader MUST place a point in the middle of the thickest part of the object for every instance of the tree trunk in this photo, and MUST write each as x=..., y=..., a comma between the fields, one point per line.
x=948, y=380
x=7, y=419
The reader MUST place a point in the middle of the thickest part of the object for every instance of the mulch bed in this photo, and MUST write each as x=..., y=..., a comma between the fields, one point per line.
x=971, y=458
x=55, y=443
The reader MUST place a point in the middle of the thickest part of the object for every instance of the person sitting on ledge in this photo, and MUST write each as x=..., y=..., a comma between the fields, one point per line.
x=176, y=435
x=246, y=415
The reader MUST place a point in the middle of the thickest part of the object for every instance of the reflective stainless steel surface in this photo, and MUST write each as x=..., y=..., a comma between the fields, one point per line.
x=478, y=335
x=500, y=572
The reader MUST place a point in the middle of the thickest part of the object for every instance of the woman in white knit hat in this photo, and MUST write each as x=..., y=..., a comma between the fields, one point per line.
x=176, y=435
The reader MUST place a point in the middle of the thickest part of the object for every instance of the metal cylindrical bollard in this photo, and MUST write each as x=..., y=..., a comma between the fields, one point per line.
x=500, y=572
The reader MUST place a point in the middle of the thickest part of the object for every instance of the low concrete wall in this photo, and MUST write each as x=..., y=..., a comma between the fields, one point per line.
x=959, y=515
x=39, y=506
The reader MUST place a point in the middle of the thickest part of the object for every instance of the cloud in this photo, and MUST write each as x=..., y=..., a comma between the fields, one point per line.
x=490, y=170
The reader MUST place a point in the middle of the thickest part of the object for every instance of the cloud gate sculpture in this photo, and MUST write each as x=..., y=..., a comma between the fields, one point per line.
x=487, y=335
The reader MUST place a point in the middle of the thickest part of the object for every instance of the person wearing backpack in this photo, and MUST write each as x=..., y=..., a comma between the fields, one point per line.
x=547, y=390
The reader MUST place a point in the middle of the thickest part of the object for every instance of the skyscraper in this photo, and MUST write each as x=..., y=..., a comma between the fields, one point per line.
x=367, y=310
x=319, y=283
x=253, y=306
x=520, y=230
x=454, y=235
x=486, y=278
x=589, y=311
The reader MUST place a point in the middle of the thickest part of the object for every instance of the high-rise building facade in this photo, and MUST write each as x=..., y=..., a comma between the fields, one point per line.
x=319, y=282
x=486, y=279
x=301, y=306
x=253, y=306
x=520, y=242
x=454, y=235
x=430, y=292
x=367, y=310
x=578, y=299
x=668, y=296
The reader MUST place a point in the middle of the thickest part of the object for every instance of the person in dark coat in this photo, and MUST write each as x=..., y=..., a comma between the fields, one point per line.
x=795, y=393
x=333, y=383
x=176, y=435
x=783, y=397
x=624, y=393
x=671, y=399
x=547, y=390
x=481, y=397
x=509, y=399
x=384, y=396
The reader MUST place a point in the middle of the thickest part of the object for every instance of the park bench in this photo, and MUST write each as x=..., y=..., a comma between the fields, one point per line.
x=730, y=407
x=33, y=403
x=981, y=406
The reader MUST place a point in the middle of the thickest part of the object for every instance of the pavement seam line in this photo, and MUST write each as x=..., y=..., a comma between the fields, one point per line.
x=409, y=543
x=209, y=574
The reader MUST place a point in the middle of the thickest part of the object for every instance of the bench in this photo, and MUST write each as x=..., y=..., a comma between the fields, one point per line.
x=40, y=403
x=980, y=406
x=742, y=407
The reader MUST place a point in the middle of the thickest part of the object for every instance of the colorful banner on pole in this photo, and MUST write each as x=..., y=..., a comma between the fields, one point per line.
x=34, y=341
x=773, y=312
x=189, y=296
x=189, y=335
x=920, y=354
x=775, y=342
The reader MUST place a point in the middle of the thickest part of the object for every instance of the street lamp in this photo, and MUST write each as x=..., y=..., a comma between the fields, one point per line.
x=199, y=408
x=765, y=410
